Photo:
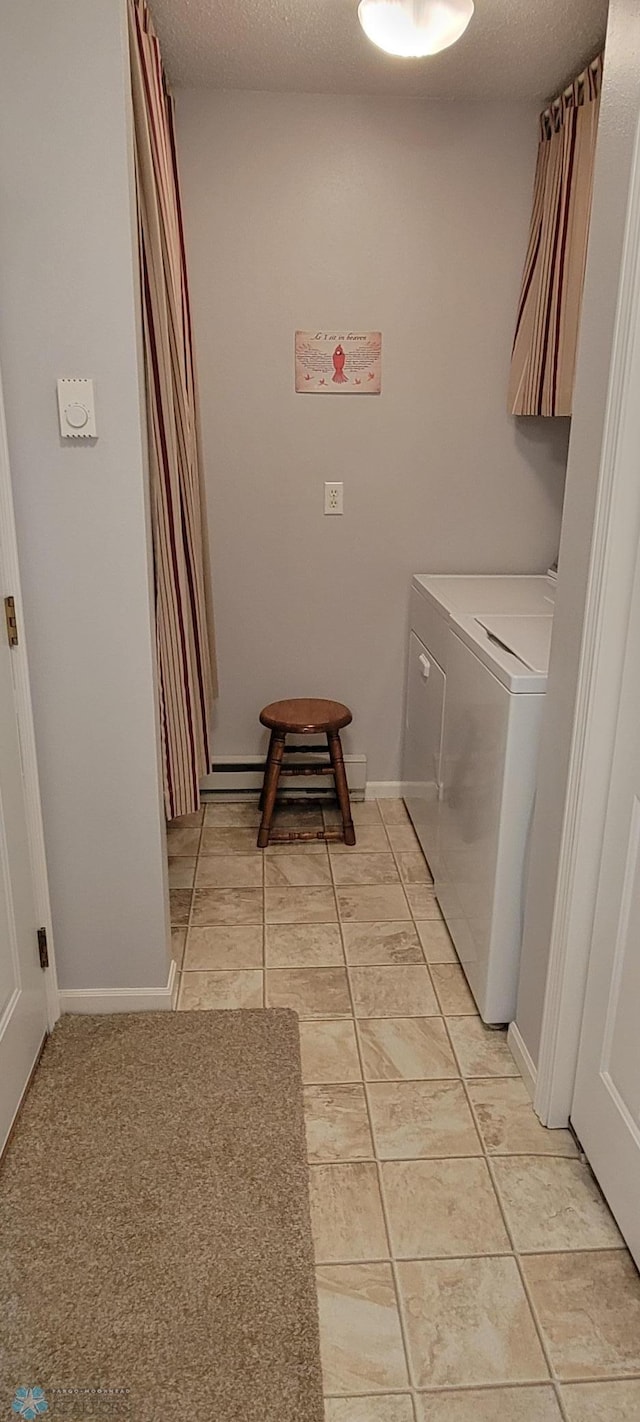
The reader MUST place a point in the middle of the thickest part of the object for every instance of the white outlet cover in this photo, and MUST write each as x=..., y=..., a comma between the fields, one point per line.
x=333, y=497
x=76, y=408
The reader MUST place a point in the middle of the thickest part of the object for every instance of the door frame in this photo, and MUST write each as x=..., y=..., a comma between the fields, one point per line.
x=614, y=553
x=10, y=586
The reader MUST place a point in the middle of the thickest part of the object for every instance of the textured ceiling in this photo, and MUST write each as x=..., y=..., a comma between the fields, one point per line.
x=512, y=49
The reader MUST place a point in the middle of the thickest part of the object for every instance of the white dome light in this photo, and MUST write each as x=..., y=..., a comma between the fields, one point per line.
x=414, y=28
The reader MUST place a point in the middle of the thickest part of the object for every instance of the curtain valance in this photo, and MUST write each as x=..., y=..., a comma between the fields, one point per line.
x=544, y=349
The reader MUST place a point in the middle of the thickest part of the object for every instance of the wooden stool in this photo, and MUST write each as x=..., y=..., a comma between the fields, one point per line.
x=304, y=718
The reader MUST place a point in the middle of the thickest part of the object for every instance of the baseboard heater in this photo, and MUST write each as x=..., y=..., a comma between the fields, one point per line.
x=239, y=777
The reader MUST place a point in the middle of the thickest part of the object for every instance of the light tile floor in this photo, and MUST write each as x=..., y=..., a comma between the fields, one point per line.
x=468, y=1268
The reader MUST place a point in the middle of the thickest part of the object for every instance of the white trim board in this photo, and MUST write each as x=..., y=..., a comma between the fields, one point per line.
x=24, y=711
x=522, y=1058
x=91, y=1000
x=386, y=789
x=613, y=557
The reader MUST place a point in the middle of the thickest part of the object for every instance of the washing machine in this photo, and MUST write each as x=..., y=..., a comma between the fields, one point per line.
x=475, y=693
x=435, y=601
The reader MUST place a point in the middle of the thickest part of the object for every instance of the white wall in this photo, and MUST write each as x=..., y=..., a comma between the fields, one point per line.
x=619, y=115
x=68, y=307
x=308, y=211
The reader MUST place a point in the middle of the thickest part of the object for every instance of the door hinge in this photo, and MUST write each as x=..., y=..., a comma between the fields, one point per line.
x=12, y=626
x=43, y=948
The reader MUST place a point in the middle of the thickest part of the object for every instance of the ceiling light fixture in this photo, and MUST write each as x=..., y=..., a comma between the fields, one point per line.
x=414, y=28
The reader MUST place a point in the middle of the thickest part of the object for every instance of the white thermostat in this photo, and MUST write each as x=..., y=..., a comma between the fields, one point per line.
x=76, y=408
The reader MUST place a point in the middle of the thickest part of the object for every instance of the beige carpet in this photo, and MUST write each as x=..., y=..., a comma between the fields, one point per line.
x=154, y=1221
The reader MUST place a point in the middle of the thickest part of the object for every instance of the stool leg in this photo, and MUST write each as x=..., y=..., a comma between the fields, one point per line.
x=270, y=787
x=342, y=789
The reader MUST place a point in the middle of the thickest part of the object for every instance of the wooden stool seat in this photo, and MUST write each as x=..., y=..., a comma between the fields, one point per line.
x=304, y=716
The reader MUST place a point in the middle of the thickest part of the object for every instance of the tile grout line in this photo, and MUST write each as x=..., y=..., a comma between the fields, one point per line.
x=515, y=1253
x=347, y=1260
x=280, y=968
x=414, y=922
x=413, y=919
x=191, y=901
x=193, y=891
x=383, y=1206
x=479, y=1155
x=444, y=1391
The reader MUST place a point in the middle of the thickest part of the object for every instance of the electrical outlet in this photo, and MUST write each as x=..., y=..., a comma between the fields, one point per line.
x=333, y=498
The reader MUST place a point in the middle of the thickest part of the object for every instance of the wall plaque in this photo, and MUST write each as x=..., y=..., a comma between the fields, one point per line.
x=338, y=362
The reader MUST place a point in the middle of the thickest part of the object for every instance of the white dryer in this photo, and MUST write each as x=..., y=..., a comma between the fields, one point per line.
x=475, y=692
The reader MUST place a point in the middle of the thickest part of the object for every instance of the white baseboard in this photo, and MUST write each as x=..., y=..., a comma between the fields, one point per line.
x=386, y=789
x=91, y=1000
x=522, y=1058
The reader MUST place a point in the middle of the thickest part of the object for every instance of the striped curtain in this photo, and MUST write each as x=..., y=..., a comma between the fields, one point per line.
x=184, y=621
x=544, y=349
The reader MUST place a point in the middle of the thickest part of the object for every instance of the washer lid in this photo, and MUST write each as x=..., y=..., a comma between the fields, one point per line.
x=527, y=638
x=515, y=649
